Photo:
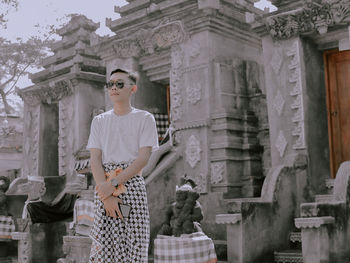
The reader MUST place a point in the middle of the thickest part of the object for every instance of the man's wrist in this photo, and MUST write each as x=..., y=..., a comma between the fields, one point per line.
x=114, y=182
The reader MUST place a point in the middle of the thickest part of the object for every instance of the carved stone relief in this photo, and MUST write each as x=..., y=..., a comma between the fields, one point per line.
x=193, y=151
x=277, y=60
x=194, y=90
x=281, y=143
x=147, y=41
x=176, y=73
x=278, y=103
x=295, y=80
x=314, y=16
x=53, y=92
x=66, y=136
x=217, y=172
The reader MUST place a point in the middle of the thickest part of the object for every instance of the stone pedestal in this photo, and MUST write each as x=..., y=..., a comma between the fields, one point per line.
x=315, y=238
x=233, y=224
x=24, y=246
x=76, y=248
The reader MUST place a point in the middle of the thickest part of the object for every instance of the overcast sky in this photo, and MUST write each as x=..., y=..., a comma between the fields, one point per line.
x=46, y=12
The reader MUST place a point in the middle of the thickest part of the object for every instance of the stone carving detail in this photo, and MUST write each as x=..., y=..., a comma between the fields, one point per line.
x=53, y=92
x=313, y=222
x=193, y=151
x=176, y=73
x=24, y=246
x=146, y=41
x=126, y=48
x=297, y=106
x=166, y=35
x=65, y=139
x=278, y=103
x=217, y=172
x=314, y=16
x=194, y=92
x=194, y=49
x=281, y=143
x=277, y=60
x=201, y=181
x=31, y=141
x=228, y=218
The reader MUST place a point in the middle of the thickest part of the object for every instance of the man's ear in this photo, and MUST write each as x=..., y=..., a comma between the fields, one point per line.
x=134, y=89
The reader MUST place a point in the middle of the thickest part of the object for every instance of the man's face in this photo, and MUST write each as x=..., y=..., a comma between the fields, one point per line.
x=118, y=94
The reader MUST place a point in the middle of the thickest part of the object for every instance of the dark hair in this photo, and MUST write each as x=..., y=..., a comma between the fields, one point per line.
x=133, y=76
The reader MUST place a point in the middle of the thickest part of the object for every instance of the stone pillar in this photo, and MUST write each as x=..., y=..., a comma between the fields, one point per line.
x=24, y=246
x=315, y=238
x=234, y=230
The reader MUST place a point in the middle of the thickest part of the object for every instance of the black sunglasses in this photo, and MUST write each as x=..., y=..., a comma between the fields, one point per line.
x=119, y=84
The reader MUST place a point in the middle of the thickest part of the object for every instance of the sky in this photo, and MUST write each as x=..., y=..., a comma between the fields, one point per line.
x=21, y=23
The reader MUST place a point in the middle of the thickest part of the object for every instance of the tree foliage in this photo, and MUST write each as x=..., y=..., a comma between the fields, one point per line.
x=6, y=7
x=16, y=58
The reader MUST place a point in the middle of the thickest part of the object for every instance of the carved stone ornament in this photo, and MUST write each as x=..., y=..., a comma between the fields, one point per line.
x=278, y=103
x=201, y=181
x=24, y=246
x=66, y=136
x=281, y=143
x=147, y=41
x=228, y=219
x=277, y=60
x=193, y=151
x=127, y=48
x=315, y=16
x=176, y=114
x=313, y=222
x=217, y=172
x=54, y=92
x=194, y=92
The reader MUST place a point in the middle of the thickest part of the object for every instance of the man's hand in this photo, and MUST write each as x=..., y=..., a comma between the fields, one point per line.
x=104, y=190
x=111, y=206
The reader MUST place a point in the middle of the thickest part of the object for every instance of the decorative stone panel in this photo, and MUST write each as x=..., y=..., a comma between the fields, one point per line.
x=295, y=82
x=314, y=16
x=66, y=136
x=193, y=151
x=177, y=57
x=313, y=222
x=31, y=141
x=217, y=172
x=281, y=143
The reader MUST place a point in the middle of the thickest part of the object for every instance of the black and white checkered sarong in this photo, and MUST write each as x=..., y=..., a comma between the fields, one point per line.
x=116, y=240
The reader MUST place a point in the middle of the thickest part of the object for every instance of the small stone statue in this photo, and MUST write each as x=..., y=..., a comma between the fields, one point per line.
x=4, y=185
x=184, y=215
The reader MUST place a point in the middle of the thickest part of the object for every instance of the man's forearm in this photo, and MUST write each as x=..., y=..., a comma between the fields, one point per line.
x=97, y=171
x=134, y=168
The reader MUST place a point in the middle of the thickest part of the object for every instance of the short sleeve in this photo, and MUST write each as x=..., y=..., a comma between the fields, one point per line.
x=149, y=136
x=94, y=138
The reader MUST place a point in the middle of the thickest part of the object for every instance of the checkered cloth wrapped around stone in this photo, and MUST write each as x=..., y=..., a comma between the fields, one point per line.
x=7, y=226
x=162, y=123
x=84, y=210
x=191, y=248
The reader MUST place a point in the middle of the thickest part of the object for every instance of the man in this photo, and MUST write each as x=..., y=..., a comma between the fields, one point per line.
x=121, y=141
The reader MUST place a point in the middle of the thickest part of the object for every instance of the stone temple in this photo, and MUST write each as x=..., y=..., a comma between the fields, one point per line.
x=256, y=106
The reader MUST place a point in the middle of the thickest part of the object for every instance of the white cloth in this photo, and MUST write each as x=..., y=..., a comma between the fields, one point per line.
x=120, y=137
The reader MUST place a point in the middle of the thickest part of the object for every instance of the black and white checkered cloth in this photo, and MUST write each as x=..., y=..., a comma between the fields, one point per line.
x=192, y=248
x=7, y=226
x=162, y=123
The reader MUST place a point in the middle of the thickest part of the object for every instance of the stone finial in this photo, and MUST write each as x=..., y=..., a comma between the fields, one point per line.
x=76, y=22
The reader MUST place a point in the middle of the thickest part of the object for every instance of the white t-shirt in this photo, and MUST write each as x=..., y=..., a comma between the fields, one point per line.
x=121, y=137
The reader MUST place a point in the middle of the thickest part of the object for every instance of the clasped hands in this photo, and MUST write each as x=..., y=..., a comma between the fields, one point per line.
x=105, y=191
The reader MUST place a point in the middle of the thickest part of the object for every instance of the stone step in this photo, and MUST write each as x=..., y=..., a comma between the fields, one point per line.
x=289, y=256
x=323, y=198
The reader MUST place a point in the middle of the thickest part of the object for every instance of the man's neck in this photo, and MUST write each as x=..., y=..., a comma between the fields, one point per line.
x=121, y=109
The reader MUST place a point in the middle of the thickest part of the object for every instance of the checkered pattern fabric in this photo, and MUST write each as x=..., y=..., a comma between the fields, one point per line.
x=162, y=124
x=192, y=248
x=116, y=240
x=7, y=226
